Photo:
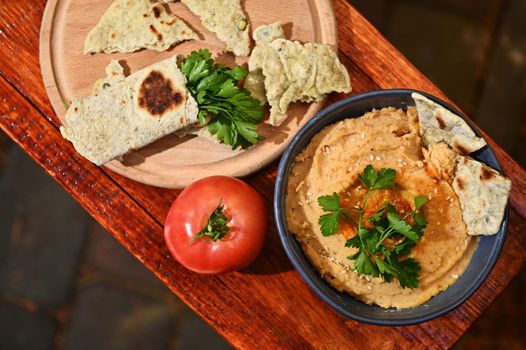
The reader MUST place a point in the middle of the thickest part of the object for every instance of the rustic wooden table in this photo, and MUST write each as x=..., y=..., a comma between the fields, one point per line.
x=266, y=305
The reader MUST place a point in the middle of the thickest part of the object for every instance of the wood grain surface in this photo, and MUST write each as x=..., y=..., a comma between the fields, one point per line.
x=175, y=162
x=266, y=306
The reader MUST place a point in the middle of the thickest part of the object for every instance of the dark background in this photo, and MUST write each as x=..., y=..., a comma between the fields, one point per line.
x=67, y=284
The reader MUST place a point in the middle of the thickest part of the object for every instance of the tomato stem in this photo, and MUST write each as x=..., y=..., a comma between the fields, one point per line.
x=216, y=226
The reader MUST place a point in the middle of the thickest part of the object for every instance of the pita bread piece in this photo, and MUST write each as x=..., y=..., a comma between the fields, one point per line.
x=127, y=113
x=131, y=25
x=292, y=72
x=483, y=195
x=438, y=124
x=227, y=20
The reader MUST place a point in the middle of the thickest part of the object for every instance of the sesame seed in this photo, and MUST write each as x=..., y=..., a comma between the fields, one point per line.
x=435, y=190
x=371, y=157
x=299, y=186
x=378, y=158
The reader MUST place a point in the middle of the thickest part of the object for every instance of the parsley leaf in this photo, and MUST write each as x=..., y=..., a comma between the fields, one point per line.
x=420, y=201
x=408, y=273
x=382, y=246
x=329, y=203
x=399, y=225
x=330, y=223
x=364, y=265
x=231, y=113
x=374, y=180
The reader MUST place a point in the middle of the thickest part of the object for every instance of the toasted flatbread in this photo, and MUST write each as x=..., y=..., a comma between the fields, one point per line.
x=131, y=25
x=438, y=124
x=292, y=72
x=227, y=20
x=126, y=113
x=483, y=195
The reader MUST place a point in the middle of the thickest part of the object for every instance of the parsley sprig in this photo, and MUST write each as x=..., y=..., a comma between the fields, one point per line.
x=216, y=227
x=230, y=112
x=383, y=246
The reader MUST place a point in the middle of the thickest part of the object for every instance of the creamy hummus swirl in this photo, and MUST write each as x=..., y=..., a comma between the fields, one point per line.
x=386, y=138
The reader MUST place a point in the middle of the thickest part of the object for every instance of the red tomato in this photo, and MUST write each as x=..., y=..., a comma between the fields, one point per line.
x=247, y=219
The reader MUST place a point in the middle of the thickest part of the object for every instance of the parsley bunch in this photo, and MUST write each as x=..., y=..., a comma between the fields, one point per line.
x=382, y=249
x=231, y=113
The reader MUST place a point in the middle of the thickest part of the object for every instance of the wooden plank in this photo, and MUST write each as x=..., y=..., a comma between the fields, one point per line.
x=268, y=301
x=267, y=296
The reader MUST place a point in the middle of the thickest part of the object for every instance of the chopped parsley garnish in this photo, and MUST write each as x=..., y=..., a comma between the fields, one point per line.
x=384, y=245
x=231, y=113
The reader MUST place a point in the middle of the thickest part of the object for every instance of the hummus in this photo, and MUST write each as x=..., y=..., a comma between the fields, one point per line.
x=387, y=138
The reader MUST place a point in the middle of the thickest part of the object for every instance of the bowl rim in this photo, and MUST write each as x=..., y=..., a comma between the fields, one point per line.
x=293, y=255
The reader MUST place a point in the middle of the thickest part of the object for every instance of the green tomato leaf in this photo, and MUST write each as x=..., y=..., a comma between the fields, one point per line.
x=216, y=226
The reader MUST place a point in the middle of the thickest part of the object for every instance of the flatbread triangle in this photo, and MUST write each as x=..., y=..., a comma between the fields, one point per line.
x=127, y=113
x=131, y=25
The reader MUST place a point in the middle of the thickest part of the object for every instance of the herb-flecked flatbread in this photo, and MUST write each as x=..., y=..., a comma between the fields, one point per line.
x=292, y=72
x=437, y=124
x=131, y=25
x=126, y=113
x=483, y=195
x=227, y=20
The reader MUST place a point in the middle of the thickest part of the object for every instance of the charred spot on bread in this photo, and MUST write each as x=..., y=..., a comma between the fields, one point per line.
x=441, y=124
x=157, y=94
x=460, y=183
x=154, y=31
x=156, y=12
x=460, y=149
x=486, y=174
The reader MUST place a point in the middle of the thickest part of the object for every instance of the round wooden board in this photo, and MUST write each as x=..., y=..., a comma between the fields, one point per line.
x=175, y=162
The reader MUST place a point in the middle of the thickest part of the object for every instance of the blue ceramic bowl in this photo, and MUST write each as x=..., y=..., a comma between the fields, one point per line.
x=479, y=268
